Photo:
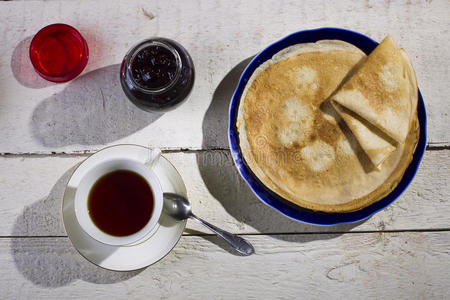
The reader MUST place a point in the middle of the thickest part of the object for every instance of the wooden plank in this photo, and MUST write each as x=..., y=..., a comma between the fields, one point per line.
x=411, y=265
x=31, y=191
x=91, y=111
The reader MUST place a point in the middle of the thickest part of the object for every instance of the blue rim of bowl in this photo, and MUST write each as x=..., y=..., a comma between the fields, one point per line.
x=272, y=199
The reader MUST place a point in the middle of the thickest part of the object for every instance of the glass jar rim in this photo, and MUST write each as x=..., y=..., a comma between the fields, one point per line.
x=144, y=44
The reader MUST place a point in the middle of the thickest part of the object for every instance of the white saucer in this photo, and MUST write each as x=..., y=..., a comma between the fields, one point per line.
x=140, y=255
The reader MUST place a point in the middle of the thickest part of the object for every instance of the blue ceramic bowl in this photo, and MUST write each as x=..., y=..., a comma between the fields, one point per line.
x=275, y=201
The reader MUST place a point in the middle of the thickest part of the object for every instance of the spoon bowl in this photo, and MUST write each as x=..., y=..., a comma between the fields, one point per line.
x=177, y=206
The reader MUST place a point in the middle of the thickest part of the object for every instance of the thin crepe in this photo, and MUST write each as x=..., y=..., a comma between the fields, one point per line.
x=376, y=145
x=383, y=91
x=296, y=144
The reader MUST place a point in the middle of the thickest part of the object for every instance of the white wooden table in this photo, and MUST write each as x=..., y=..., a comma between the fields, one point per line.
x=46, y=129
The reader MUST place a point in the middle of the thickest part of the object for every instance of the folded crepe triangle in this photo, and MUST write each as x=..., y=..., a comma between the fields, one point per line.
x=383, y=93
x=375, y=144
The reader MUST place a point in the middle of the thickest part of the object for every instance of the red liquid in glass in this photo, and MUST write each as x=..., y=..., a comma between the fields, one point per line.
x=58, y=52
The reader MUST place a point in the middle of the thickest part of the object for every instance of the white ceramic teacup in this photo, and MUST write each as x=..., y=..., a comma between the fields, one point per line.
x=100, y=169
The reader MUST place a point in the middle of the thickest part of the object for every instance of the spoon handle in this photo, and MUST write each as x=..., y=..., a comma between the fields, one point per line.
x=238, y=243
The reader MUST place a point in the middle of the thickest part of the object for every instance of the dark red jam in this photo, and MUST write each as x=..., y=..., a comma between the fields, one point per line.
x=157, y=74
x=154, y=67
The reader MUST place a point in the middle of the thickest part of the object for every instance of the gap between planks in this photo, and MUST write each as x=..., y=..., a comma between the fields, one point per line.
x=430, y=147
x=259, y=233
x=89, y=152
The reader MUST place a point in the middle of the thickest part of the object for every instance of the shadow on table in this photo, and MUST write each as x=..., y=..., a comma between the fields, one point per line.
x=219, y=242
x=91, y=110
x=22, y=68
x=50, y=260
x=226, y=185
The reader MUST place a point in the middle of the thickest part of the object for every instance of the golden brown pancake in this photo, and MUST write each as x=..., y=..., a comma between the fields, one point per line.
x=375, y=143
x=296, y=143
x=383, y=90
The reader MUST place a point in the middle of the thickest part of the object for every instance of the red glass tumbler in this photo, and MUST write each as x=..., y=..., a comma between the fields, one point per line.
x=59, y=53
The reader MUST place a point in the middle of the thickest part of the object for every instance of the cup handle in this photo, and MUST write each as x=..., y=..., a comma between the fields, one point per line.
x=153, y=157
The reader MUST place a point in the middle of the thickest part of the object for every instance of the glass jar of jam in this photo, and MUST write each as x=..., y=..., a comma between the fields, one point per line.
x=157, y=74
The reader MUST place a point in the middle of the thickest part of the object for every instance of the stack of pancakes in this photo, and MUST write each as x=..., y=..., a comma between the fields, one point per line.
x=328, y=128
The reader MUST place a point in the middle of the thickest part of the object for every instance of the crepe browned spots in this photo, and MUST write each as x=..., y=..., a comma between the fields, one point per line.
x=297, y=144
x=382, y=94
